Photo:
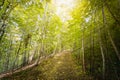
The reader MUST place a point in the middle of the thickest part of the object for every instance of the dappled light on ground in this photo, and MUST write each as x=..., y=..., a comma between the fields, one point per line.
x=60, y=67
x=60, y=39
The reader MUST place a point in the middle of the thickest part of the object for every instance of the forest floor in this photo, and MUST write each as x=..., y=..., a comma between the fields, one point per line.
x=60, y=67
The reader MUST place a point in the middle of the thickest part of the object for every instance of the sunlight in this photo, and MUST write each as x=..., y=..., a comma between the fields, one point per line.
x=63, y=8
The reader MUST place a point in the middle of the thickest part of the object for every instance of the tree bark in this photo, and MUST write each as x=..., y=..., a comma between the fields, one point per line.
x=108, y=32
x=83, y=52
x=103, y=56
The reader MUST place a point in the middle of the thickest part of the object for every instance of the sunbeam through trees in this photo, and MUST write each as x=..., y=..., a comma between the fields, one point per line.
x=59, y=40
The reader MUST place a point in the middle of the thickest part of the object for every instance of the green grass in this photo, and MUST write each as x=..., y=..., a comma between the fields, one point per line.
x=60, y=67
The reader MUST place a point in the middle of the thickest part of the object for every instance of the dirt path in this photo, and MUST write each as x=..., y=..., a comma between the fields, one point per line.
x=60, y=67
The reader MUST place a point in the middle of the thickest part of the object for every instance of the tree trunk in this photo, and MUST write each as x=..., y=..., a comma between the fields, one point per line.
x=108, y=32
x=114, y=46
x=17, y=54
x=102, y=53
x=83, y=52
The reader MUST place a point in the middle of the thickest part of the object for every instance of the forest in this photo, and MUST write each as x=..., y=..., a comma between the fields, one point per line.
x=59, y=40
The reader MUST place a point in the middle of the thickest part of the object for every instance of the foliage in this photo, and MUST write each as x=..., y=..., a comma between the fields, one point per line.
x=30, y=30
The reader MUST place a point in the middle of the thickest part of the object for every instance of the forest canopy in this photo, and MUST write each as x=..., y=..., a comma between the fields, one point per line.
x=90, y=29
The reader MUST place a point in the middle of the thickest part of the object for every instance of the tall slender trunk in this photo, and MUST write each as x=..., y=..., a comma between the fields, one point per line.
x=103, y=56
x=90, y=53
x=41, y=52
x=17, y=54
x=83, y=52
x=108, y=32
x=114, y=46
x=93, y=51
x=107, y=29
x=8, y=56
x=2, y=30
x=102, y=53
x=26, y=42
